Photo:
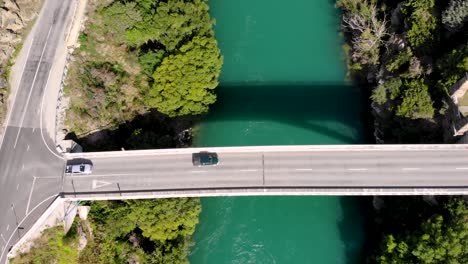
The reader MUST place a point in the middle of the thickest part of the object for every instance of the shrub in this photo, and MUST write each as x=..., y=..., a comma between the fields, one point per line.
x=399, y=60
x=379, y=95
x=455, y=15
x=422, y=34
x=417, y=102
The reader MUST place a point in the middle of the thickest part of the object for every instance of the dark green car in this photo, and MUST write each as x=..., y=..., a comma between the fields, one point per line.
x=204, y=159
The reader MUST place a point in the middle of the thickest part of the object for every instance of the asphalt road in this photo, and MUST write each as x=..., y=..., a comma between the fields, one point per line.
x=304, y=169
x=30, y=174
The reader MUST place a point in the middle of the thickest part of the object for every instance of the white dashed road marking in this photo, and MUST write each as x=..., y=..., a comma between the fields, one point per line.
x=411, y=169
x=358, y=169
x=303, y=169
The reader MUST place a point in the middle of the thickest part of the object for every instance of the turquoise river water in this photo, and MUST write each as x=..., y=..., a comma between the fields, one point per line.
x=282, y=83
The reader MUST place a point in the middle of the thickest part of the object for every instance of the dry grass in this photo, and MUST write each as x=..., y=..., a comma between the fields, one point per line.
x=117, y=97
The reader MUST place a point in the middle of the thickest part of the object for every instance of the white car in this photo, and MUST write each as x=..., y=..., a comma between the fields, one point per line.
x=79, y=169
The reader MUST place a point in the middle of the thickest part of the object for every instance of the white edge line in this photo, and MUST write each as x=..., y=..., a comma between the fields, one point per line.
x=30, y=195
x=22, y=220
x=32, y=86
x=40, y=122
x=7, y=120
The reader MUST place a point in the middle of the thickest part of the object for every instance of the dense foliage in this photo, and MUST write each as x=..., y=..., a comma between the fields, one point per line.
x=420, y=49
x=166, y=55
x=422, y=33
x=455, y=15
x=182, y=85
x=134, y=231
x=52, y=247
x=441, y=237
x=158, y=229
x=177, y=51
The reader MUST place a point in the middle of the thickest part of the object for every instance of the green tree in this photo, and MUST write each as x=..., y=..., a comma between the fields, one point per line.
x=423, y=32
x=417, y=102
x=441, y=239
x=119, y=17
x=184, y=82
x=165, y=219
x=452, y=67
x=171, y=22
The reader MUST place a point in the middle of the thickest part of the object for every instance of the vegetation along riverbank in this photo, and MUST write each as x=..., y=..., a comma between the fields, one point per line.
x=406, y=55
x=153, y=58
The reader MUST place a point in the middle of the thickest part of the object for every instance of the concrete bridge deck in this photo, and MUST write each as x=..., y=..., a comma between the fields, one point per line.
x=274, y=170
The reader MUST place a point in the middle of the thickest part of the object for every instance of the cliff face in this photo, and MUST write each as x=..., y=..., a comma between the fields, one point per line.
x=16, y=17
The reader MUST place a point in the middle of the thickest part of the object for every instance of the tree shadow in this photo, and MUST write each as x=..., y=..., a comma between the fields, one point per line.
x=327, y=109
x=151, y=130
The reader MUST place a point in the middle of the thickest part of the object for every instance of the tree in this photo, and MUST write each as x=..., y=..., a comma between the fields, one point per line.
x=417, y=102
x=452, y=66
x=455, y=15
x=119, y=17
x=442, y=238
x=165, y=219
x=423, y=33
x=184, y=82
x=170, y=23
x=361, y=18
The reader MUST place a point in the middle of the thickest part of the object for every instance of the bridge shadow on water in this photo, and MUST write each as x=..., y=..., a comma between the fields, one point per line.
x=321, y=108
x=327, y=109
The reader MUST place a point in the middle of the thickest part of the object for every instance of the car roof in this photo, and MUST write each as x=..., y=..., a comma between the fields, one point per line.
x=81, y=168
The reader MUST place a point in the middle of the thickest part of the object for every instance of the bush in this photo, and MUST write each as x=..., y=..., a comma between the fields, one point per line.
x=442, y=238
x=452, y=67
x=417, y=102
x=399, y=60
x=455, y=15
x=423, y=33
x=379, y=95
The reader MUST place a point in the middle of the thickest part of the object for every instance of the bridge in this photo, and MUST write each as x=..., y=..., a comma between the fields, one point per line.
x=32, y=170
x=274, y=170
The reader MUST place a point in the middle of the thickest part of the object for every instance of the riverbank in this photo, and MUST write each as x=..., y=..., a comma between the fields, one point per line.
x=406, y=55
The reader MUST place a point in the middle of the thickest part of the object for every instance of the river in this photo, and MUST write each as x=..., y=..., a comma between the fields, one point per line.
x=282, y=83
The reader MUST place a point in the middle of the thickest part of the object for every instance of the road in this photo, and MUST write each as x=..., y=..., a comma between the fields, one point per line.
x=30, y=168
x=333, y=169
